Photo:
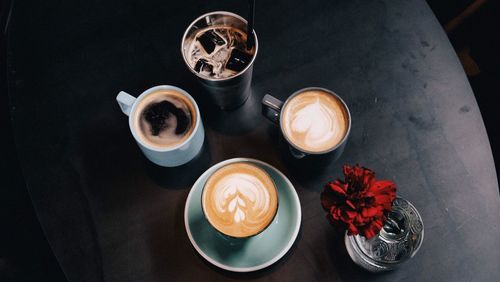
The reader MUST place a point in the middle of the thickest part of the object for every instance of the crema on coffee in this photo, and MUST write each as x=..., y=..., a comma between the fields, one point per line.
x=314, y=121
x=164, y=118
x=240, y=200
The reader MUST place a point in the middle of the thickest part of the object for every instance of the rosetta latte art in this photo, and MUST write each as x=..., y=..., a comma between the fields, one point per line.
x=240, y=200
x=243, y=197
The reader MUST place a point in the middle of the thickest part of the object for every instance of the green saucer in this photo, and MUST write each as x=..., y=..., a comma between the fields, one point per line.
x=244, y=255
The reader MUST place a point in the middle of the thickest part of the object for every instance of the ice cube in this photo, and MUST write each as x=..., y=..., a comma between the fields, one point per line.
x=238, y=60
x=209, y=40
x=221, y=56
x=236, y=40
x=203, y=66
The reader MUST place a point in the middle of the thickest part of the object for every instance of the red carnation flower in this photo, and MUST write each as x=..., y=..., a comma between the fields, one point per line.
x=360, y=201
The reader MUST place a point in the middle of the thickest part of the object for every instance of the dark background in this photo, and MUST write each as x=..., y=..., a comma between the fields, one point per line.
x=24, y=252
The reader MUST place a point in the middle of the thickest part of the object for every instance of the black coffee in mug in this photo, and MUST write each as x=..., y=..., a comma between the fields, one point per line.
x=165, y=118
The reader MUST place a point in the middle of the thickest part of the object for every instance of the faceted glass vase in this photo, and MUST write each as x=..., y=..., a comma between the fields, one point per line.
x=398, y=240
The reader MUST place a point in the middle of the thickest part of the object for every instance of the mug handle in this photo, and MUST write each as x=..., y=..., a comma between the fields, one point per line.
x=125, y=101
x=271, y=108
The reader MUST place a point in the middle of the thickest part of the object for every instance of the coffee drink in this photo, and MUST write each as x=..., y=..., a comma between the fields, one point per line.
x=214, y=48
x=219, y=52
x=166, y=124
x=240, y=200
x=314, y=121
x=164, y=118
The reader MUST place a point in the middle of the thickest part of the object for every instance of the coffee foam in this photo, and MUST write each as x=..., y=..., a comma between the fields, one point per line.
x=240, y=200
x=233, y=37
x=167, y=137
x=315, y=121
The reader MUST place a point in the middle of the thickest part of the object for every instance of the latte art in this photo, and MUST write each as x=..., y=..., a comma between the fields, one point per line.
x=314, y=121
x=240, y=200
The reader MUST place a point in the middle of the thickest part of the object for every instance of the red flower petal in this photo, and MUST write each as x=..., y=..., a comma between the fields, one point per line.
x=346, y=170
x=350, y=215
x=352, y=230
x=326, y=200
x=370, y=212
x=378, y=224
x=350, y=204
x=330, y=197
x=372, y=229
x=360, y=201
x=335, y=212
x=383, y=187
x=337, y=187
x=360, y=220
x=368, y=177
x=369, y=233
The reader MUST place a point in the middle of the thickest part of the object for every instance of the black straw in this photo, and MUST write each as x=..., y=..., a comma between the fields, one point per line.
x=250, y=37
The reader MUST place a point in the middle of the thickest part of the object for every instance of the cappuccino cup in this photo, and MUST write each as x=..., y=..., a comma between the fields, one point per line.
x=313, y=121
x=240, y=200
x=166, y=124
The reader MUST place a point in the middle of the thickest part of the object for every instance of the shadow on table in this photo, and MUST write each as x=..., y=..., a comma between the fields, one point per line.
x=259, y=273
x=342, y=264
x=107, y=151
x=231, y=122
x=180, y=177
x=238, y=121
x=168, y=244
x=303, y=170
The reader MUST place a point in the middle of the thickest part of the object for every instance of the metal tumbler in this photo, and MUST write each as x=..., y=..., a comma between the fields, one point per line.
x=231, y=92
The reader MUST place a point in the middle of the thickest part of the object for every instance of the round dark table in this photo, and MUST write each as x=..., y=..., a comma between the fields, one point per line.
x=111, y=215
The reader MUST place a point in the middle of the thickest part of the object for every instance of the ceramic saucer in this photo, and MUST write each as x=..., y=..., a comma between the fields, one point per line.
x=244, y=255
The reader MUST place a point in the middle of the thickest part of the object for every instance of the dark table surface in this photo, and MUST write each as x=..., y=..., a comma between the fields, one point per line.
x=111, y=215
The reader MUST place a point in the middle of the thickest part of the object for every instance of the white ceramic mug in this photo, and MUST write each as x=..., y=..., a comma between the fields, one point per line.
x=170, y=156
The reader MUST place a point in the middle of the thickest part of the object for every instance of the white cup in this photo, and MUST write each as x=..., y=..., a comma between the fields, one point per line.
x=169, y=156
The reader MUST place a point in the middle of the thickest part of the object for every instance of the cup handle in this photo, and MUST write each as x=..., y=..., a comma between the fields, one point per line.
x=125, y=101
x=271, y=108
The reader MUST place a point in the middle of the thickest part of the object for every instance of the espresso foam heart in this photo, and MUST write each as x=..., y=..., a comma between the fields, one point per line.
x=315, y=121
x=240, y=200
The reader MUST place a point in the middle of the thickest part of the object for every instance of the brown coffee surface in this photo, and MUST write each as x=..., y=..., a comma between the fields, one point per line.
x=219, y=51
x=240, y=200
x=315, y=121
x=164, y=118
